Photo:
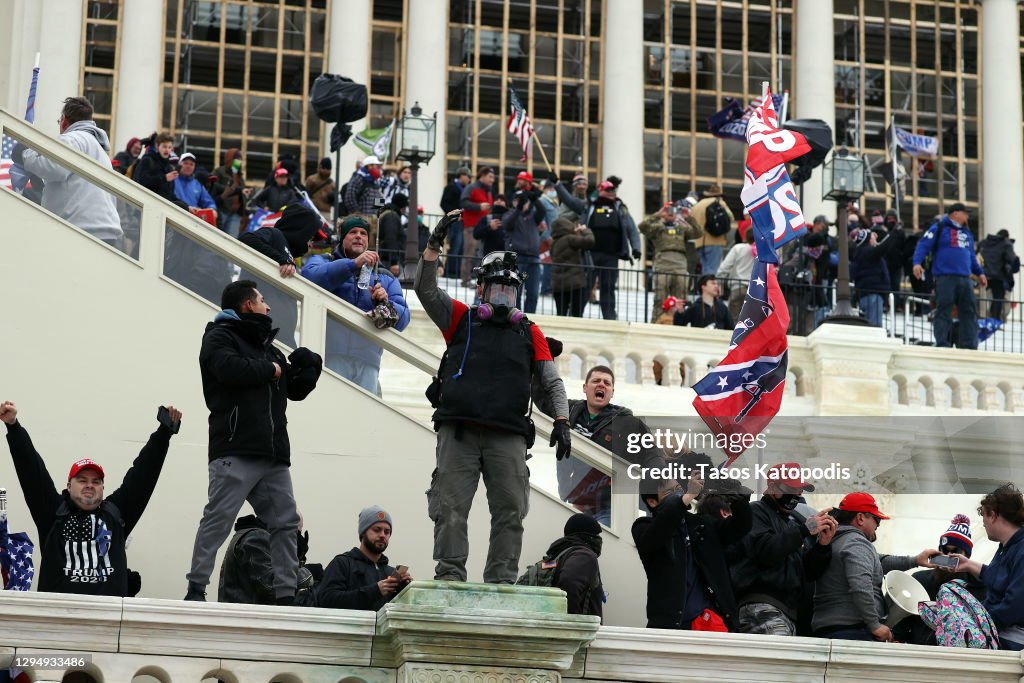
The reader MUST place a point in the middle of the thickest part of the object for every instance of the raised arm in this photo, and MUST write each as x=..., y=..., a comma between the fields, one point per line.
x=133, y=495
x=36, y=484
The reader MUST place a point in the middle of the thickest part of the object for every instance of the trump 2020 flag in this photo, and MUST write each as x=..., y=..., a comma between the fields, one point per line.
x=740, y=396
x=768, y=194
x=731, y=122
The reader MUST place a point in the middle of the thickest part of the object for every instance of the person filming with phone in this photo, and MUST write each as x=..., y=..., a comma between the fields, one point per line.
x=362, y=577
x=82, y=533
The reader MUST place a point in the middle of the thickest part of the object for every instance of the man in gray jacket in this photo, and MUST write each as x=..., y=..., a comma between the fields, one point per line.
x=70, y=196
x=848, y=600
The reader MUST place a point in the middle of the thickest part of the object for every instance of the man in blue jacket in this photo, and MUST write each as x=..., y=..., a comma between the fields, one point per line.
x=187, y=187
x=348, y=353
x=951, y=245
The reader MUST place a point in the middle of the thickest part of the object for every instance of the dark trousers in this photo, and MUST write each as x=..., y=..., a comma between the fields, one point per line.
x=571, y=302
x=998, y=289
x=531, y=286
x=607, y=266
x=955, y=290
x=846, y=633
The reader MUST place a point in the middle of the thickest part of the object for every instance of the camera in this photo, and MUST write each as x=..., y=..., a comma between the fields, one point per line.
x=378, y=202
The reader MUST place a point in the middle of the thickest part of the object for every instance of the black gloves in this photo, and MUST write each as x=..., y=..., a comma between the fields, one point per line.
x=636, y=253
x=561, y=438
x=553, y=177
x=302, y=545
x=304, y=358
x=440, y=232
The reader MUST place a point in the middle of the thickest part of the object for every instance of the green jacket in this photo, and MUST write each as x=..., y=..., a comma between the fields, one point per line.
x=671, y=237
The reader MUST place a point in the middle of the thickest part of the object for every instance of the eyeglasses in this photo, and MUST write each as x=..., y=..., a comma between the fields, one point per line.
x=878, y=520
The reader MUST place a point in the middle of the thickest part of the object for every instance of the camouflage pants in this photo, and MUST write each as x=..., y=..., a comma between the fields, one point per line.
x=670, y=276
x=765, y=619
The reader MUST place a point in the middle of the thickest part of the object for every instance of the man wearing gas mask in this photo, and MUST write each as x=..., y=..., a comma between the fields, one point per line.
x=780, y=558
x=482, y=403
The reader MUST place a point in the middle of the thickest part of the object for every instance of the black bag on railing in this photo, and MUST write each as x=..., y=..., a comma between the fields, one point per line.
x=338, y=99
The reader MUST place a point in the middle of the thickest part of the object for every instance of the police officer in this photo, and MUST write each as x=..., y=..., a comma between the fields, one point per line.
x=482, y=401
x=667, y=230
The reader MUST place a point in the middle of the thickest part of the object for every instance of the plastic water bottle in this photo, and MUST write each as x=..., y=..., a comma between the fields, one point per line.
x=365, y=273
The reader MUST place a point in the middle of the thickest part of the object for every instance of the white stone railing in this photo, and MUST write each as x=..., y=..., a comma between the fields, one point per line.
x=436, y=632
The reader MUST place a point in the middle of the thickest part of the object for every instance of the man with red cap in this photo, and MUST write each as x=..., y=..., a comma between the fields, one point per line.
x=780, y=556
x=615, y=237
x=82, y=534
x=848, y=600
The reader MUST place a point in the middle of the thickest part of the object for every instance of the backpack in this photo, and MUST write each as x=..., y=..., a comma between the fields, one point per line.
x=959, y=619
x=545, y=572
x=716, y=220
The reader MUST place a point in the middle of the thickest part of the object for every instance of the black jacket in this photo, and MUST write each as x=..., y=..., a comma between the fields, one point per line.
x=247, y=572
x=392, y=237
x=451, y=197
x=663, y=550
x=997, y=254
x=350, y=582
x=151, y=172
x=247, y=405
x=98, y=565
x=699, y=314
x=579, y=576
x=275, y=197
x=777, y=559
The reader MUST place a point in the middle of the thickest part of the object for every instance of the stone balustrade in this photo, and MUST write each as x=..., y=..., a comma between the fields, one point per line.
x=436, y=632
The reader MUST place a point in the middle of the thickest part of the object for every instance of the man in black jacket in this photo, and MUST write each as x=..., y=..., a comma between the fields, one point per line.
x=578, y=572
x=780, y=559
x=81, y=533
x=247, y=384
x=683, y=554
x=362, y=577
x=154, y=170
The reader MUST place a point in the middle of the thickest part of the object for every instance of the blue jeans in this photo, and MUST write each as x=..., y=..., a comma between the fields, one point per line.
x=710, y=259
x=955, y=290
x=871, y=307
x=531, y=266
x=230, y=224
x=452, y=265
x=545, y=278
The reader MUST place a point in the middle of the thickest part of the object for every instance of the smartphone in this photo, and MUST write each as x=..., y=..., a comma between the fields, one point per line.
x=401, y=569
x=163, y=416
x=945, y=561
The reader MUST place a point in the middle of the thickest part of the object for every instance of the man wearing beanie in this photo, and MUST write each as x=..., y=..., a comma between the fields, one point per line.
x=362, y=577
x=577, y=572
x=349, y=353
x=320, y=187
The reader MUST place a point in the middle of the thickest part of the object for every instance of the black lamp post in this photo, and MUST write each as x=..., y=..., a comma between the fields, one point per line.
x=842, y=180
x=415, y=142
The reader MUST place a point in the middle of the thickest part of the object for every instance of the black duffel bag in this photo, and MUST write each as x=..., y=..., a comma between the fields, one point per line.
x=338, y=99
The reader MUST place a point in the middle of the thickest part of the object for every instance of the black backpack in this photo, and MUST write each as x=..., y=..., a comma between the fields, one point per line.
x=716, y=220
x=545, y=572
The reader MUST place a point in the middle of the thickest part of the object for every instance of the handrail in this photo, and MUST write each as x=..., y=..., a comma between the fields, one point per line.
x=316, y=303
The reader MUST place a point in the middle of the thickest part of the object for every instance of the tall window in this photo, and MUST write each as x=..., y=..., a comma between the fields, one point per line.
x=98, y=78
x=237, y=74
x=387, y=57
x=697, y=53
x=551, y=51
x=915, y=61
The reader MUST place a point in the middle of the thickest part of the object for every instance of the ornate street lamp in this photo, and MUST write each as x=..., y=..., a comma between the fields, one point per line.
x=415, y=142
x=842, y=180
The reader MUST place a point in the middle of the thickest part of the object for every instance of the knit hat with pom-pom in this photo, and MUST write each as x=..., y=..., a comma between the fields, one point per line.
x=958, y=534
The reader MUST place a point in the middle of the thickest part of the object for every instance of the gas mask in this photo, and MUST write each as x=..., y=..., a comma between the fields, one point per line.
x=788, y=501
x=501, y=283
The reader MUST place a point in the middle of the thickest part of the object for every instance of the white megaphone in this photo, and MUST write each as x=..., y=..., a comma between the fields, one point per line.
x=902, y=594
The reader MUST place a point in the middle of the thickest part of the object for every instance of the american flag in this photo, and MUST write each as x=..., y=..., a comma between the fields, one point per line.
x=741, y=395
x=16, y=568
x=519, y=123
x=6, y=150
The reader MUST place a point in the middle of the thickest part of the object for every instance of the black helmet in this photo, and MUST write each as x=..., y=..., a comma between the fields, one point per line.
x=500, y=267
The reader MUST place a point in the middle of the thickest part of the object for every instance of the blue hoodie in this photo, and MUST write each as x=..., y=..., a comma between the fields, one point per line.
x=191, y=191
x=954, y=253
x=1004, y=583
x=338, y=276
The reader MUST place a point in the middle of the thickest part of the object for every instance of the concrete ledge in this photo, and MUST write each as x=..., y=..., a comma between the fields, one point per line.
x=54, y=621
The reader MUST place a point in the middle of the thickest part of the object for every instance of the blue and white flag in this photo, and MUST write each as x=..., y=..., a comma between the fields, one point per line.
x=731, y=122
x=917, y=145
x=16, y=569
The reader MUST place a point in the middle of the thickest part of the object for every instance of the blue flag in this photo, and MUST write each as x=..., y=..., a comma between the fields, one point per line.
x=15, y=559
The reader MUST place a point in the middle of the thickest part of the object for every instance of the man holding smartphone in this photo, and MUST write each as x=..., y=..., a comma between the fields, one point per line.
x=82, y=534
x=362, y=577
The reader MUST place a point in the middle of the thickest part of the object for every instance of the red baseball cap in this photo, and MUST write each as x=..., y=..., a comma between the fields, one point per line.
x=281, y=171
x=525, y=175
x=669, y=303
x=84, y=464
x=861, y=502
x=606, y=185
x=783, y=474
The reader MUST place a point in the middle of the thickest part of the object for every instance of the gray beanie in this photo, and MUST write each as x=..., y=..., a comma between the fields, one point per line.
x=370, y=516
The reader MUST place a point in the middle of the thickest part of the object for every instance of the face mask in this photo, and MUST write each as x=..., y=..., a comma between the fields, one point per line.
x=788, y=501
x=374, y=172
x=236, y=166
x=551, y=194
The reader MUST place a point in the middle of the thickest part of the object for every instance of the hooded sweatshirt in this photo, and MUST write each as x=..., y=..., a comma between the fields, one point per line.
x=71, y=196
x=579, y=575
x=849, y=591
x=954, y=250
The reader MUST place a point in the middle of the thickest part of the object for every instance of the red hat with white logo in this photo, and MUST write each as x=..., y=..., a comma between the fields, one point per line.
x=84, y=464
x=525, y=175
x=788, y=474
x=861, y=502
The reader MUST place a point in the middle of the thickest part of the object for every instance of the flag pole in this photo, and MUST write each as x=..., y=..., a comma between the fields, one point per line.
x=895, y=177
x=543, y=156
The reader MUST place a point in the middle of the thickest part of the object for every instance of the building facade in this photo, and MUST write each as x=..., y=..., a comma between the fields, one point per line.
x=620, y=87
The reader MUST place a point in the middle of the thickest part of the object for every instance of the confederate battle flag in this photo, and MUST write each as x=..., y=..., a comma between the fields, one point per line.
x=742, y=394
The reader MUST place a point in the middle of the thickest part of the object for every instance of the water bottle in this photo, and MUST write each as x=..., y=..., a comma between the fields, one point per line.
x=3, y=505
x=365, y=273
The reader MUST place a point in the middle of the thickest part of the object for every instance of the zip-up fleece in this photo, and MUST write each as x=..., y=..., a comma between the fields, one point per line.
x=247, y=405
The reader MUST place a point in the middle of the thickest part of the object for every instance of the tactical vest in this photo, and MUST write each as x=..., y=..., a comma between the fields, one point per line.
x=607, y=229
x=493, y=388
x=670, y=237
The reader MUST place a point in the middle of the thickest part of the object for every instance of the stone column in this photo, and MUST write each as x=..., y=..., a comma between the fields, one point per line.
x=348, y=55
x=140, y=72
x=60, y=63
x=426, y=82
x=20, y=23
x=1002, y=170
x=814, y=79
x=622, y=96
